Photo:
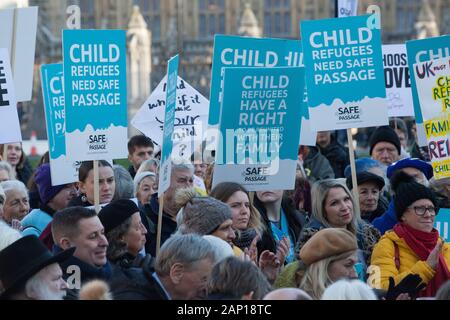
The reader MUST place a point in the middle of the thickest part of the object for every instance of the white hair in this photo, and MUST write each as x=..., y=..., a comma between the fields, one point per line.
x=9, y=185
x=8, y=235
x=37, y=288
x=349, y=290
x=222, y=249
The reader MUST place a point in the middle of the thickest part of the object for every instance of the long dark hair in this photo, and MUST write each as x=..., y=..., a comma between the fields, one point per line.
x=87, y=166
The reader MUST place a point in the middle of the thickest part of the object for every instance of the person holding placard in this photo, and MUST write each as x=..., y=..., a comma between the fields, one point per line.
x=86, y=184
x=182, y=176
x=414, y=245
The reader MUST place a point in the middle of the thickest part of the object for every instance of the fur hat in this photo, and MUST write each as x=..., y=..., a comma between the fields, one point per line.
x=327, y=243
x=201, y=215
x=384, y=134
x=407, y=191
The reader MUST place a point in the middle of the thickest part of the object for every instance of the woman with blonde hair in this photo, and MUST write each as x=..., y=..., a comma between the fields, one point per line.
x=332, y=206
x=329, y=255
x=246, y=218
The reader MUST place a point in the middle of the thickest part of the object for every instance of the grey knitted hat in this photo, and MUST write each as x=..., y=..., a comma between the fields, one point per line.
x=203, y=215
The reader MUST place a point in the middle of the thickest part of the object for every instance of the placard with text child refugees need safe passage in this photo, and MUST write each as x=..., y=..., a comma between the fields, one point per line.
x=61, y=170
x=95, y=94
x=344, y=73
x=433, y=88
x=259, y=127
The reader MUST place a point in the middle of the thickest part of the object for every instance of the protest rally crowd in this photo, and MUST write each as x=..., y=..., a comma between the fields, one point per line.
x=314, y=220
x=224, y=243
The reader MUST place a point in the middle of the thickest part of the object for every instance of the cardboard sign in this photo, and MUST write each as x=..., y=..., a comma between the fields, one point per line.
x=420, y=51
x=62, y=171
x=397, y=81
x=344, y=73
x=441, y=223
x=234, y=51
x=169, y=120
x=191, y=117
x=432, y=79
x=10, y=128
x=347, y=8
x=95, y=88
x=259, y=127
x=18, y=34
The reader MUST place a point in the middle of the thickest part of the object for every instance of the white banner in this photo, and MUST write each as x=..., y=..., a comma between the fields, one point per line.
x=191, y=117
x=397, y=79
x=10, y=126
x=18, y=34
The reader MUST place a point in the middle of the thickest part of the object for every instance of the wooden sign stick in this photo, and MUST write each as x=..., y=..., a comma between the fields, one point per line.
x=351, y=152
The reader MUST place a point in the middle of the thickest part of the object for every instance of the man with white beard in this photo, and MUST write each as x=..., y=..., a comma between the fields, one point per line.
x=28, y=271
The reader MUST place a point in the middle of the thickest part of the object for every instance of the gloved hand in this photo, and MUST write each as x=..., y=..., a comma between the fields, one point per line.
x=411, y=284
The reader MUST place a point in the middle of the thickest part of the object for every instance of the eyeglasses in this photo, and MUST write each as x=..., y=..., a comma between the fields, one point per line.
x=420, y=210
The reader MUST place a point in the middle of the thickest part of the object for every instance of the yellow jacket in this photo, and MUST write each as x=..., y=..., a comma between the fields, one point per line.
x=383, y=262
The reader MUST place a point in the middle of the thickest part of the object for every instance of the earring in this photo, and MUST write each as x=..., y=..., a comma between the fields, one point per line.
x=83, y=198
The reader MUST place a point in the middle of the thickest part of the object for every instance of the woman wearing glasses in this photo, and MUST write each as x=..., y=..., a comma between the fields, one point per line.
x=413, y=246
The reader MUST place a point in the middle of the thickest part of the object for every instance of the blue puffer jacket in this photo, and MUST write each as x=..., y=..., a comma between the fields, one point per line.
x=387, y=220
x=35, y=222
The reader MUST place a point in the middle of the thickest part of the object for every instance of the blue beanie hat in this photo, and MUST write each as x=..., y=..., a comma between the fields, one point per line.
x=44, y=183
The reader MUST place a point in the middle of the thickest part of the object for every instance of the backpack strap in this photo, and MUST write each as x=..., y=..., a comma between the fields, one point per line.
x=397, y=256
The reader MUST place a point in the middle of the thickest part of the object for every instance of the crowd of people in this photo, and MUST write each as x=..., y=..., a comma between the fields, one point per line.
x=223, y=242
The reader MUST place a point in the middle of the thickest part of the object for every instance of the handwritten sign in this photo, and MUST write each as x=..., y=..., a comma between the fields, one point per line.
x=191, y=117
x=397, y=80
x=433, y=88
x=420, y=51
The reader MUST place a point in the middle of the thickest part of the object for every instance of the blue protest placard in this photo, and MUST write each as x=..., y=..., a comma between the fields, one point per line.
x=441, y=223
x=420, y=51
x=344, y=73
x=169, y=118
x=235, y=51
x=259, y=127
x=95, y=94
x=61, y=170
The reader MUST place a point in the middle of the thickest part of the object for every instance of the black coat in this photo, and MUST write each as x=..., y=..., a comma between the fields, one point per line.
x=338, y=157
x=168, y=225
x=295, y=220
x=131, y=283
